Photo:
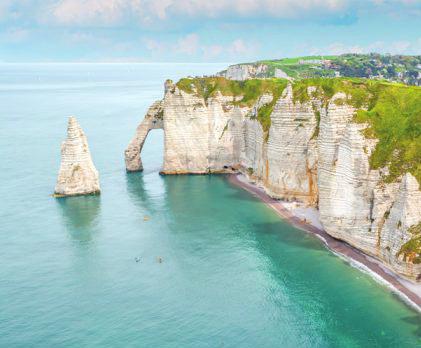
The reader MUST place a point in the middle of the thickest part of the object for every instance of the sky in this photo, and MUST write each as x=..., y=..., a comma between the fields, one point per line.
x=203, y=30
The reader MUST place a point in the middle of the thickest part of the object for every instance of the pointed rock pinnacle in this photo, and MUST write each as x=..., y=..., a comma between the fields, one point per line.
x=77, y=174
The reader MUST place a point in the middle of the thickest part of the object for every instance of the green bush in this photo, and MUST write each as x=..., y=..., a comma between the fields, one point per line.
x=411, y=250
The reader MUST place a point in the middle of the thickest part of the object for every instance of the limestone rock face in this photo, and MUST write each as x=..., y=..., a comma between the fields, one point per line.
x=404, y=213
x=280, y=74
x=286, y=164
x=77, y=174
x=313, y=153
x=241, y=72
x=212, y=132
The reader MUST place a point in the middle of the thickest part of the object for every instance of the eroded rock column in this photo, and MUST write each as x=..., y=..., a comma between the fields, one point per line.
x=77, y=174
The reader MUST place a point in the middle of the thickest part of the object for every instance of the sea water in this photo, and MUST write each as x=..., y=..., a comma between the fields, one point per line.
x=217, y=268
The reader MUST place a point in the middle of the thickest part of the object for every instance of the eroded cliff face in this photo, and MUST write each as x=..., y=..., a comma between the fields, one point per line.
x=77, y=174
x=313, y=152
x=241, y=72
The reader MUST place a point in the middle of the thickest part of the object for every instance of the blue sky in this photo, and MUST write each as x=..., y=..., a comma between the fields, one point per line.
x=203, y=30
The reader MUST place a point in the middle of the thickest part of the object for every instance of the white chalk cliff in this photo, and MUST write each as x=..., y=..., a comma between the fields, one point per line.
x=313, y=153
x=241, y=72
x=77, y=174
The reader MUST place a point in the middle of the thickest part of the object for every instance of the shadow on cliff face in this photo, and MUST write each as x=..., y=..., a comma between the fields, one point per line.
x=80, y=215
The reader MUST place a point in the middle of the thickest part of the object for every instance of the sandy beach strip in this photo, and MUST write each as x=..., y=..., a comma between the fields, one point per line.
x=410, y=293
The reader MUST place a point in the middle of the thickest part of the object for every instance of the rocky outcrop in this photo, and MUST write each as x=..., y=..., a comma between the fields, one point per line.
x=313, y=152
x=241, y=72
x=77, y=174
x=402, y=216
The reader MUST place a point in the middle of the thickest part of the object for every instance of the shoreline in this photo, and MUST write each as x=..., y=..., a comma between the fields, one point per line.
x=354, y=257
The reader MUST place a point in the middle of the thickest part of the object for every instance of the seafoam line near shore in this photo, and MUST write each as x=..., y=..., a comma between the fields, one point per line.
x=378, y=273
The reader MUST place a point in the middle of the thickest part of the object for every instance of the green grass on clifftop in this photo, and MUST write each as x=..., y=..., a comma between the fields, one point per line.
x=249, y=90
x=395, y=119
x=360, y=92
x=405, y=69
x=299, y=67
x=393, y=112
x=246, y=92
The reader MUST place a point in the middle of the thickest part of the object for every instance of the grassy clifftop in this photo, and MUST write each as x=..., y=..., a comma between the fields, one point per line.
x=393, y=111
x=247, y=92
x=405, y=69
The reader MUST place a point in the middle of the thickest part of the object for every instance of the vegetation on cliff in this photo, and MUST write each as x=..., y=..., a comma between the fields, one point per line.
x=299, y=67
x=245, y=93
x=393, y=112
x=360, y=92
x=395, y=119
x=411, y=250
x=399, y=68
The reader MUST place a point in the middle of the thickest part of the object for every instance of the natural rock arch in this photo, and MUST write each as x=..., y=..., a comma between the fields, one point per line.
x=153, y=120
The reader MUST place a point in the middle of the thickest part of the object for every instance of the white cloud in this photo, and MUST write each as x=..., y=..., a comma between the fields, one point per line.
x=399, y=46
x=154, y=45
x=150, y=12
x=247, y=8
x=212, y=51
x=89, y=11
x=191, y=45
x=5, y=7
x=85, y=38
x=109, y=12
x=188, y=44
x=393, y=47
x=80, y=37
x=340, y=48
x=14, y=35
x=239, y=47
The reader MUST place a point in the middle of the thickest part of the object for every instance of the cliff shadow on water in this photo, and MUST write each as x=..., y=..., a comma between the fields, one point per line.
x=144, y=190
x=414, y=320
x=236, y=194
x=80, y=216
x=287, y=234
x=145, y=187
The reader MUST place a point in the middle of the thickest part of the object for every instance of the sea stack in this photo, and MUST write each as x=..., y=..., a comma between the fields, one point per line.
x=77, y=175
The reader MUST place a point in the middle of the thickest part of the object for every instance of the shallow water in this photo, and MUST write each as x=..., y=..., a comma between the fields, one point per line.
x=232, y=273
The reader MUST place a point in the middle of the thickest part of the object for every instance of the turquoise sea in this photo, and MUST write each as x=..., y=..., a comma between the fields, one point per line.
x=232, y=273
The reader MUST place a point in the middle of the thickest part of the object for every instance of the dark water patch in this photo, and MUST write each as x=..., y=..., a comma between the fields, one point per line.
x=80, y=215
x=287, y=234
